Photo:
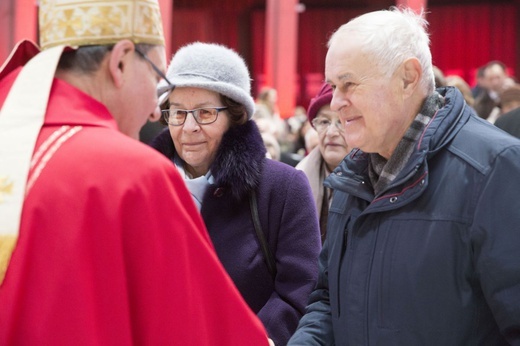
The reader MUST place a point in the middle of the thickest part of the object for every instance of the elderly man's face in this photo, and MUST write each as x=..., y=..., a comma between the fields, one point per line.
x=370, y=104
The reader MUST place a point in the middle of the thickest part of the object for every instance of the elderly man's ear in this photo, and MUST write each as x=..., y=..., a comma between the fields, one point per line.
x=411, y=74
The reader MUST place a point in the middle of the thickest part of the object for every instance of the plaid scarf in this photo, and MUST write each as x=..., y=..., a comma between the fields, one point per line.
x=382, y=172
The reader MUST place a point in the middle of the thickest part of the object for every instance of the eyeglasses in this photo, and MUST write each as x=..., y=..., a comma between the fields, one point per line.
x=322, y=124
x=155, y=68
x=203, y=116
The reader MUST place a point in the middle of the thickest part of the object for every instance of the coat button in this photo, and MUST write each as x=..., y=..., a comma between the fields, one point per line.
x=393, y=199
x=219, y=191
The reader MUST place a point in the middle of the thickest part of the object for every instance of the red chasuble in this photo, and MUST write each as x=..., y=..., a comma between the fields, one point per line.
x=112, y=250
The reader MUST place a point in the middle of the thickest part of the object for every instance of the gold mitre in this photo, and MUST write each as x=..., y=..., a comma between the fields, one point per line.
x=99, y=22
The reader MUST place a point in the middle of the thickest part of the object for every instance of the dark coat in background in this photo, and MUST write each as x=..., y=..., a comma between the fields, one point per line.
x=434, y=259
x=484, y=104
x=510, y=122
x=288, y=219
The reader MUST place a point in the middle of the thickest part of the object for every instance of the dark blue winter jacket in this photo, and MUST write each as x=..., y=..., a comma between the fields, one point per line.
x=435, y=258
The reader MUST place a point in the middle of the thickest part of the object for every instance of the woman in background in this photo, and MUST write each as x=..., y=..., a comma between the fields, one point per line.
x=332, y=148
x=219, y=151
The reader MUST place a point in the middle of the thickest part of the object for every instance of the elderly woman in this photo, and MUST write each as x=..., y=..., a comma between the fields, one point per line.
x=259, y=213
x=331, y=149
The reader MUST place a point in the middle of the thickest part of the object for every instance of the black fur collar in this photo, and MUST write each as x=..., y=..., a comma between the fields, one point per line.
x=239, y=160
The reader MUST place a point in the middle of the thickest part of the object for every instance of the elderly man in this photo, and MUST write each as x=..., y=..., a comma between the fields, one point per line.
x=423, y=231
x=100, y=242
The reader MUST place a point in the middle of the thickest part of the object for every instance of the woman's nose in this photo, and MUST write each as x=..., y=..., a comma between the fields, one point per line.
x=190, y=124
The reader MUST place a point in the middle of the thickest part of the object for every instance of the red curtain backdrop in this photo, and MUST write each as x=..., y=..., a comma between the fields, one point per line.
x=6, y=32
x=316, y=27
x=467, y=37
x=463, y=38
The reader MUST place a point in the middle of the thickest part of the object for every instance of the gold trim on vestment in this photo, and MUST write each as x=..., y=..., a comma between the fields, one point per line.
x=99, y=22
x=7, y=244
x=45, y=152
x=48, y=149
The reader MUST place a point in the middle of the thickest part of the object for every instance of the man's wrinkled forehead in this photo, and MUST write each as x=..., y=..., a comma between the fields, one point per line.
x=338, y=61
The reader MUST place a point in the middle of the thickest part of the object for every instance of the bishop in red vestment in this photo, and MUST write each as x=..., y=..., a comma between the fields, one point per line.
x=110, y=249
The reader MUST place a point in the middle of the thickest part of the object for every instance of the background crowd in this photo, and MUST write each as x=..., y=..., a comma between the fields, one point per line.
x=380, y=213
x=496, y=93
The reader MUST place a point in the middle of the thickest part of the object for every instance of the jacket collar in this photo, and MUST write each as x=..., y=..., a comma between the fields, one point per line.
x=444, y=125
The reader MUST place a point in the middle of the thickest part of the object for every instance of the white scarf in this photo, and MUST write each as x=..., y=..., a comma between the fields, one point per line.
x=196, y=186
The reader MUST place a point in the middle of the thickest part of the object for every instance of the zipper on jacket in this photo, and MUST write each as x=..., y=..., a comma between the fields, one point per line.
x=399, y=182
x=354, y=185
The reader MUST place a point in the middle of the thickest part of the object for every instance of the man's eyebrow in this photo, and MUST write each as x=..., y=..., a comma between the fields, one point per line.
x=341, y=78
x=345, y=76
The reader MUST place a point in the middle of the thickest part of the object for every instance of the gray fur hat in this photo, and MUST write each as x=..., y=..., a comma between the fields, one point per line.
x=213, y=67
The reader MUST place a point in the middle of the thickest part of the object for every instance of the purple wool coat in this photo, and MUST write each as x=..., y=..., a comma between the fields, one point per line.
x=288, y=218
